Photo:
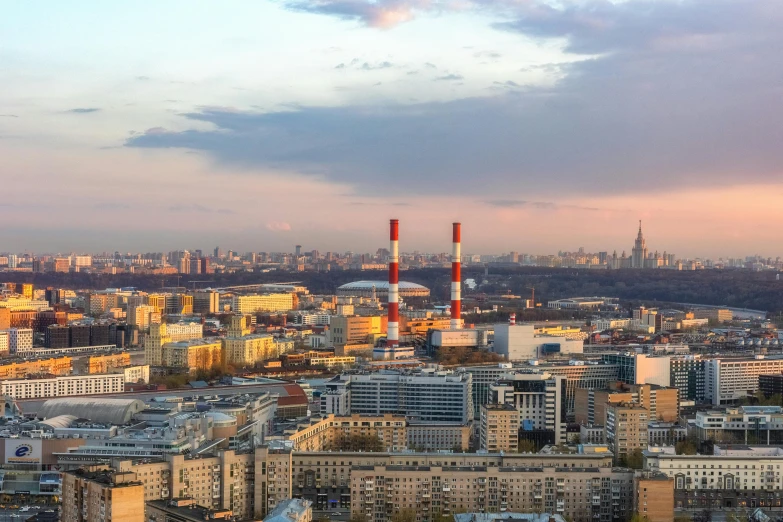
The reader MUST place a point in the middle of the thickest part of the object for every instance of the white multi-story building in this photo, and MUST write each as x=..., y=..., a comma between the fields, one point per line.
x=5, y=346
x=729, y=380
x=520, y=342
x=81, y=261
x=540, y=399
x=249, y=304
x=20, y=340
x=312, y=319
x=611, y=324
x=136, y=374
x=424, y=397
x=64, y=386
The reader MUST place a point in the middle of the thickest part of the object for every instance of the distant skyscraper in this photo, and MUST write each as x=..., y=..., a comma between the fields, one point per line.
x=639, y=251
x=298, y=250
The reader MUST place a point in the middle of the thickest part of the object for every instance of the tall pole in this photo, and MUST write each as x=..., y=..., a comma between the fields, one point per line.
x=393, y=327
x=456, y=290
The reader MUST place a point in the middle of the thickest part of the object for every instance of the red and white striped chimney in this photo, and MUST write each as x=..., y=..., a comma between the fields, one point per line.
x=512, y=319
x=456, y=290
x=393, y=326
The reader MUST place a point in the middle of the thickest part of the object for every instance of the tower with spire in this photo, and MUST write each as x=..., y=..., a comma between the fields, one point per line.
x=639, y=250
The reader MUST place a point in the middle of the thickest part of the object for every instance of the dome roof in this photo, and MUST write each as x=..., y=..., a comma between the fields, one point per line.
x=109, y=411
x=380, y=285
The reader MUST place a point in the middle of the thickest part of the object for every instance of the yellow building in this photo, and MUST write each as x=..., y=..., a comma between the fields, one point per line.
x=98, y=495
x=626, y=428
x=26, y=289
x=355, y=329
x=195, y=354
x=249, y=350
x=499, y=428
x=22, y=369
x=249, y=304
x=239, y=325
x=102, y=363
x=420, y=326
x=327, y=433
x=157, y=301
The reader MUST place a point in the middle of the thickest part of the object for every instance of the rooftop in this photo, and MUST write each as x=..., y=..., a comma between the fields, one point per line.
x=186, y=509
x=289, y=510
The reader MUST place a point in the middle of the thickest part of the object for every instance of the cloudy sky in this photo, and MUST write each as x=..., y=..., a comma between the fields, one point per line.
x=541, y=125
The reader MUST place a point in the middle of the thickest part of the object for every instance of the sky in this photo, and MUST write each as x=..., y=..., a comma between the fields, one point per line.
x=541, y=125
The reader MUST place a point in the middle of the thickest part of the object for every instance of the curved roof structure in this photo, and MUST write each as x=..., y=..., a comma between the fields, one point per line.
x=61, y=421
x=380, y=286
x=96, y=409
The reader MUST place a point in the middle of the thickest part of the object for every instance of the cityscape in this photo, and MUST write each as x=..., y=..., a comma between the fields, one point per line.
x=391, y=261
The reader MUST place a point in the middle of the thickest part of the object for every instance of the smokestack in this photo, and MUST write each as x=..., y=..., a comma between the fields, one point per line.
x=512, y=319
x=393, y=327
x=456, y=291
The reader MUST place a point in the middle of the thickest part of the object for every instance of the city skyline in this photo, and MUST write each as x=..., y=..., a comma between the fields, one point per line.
x=263, y=125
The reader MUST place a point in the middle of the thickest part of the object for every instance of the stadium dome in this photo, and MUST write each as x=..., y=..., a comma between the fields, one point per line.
x=365, y=289
x=108, y=411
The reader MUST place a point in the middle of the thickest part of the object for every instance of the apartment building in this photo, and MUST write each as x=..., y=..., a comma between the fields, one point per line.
x=223, y=481
x=195, y=354
x=424, y=397
x=5, y=348
x=22, y=369
x=439, y=436
x=251, y=304
x=662, y=402
x=626, y=428
x=104, y=363
x=730, y=380
x=328, y=432
x=249, y=350
x=540, y=400
x=100, y=495
x=378, y=492
x=161, y=334
x=63, y=386
x=654, y=497
x=687, y=375
x=744, y=479
x=499, y=428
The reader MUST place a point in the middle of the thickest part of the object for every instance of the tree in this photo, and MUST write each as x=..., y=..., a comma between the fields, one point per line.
x=357, y=517
x=404, y=515
x=636, y=517
x=704, y=515
x=367, y=443
x=686, y=447
x=634, y=459
x=527, y=446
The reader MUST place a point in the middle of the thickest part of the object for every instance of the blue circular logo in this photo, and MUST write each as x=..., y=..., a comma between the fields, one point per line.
x=23, y=450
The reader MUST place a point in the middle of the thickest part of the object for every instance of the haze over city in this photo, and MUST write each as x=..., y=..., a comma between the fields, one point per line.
x=259, y=125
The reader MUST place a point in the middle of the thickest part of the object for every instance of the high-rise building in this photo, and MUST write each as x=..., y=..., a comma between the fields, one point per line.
x=639, y=250
x=662, y=402
x=249, y=349
x=626, y=428
x=98, y=495
x=5, y=318
x=539, y=398
x=79, y=335
x=499, y=429
x=5, y=345
x=206, y=302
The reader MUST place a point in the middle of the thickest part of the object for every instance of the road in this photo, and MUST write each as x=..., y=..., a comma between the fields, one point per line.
x=344, y=514
x=17, y=515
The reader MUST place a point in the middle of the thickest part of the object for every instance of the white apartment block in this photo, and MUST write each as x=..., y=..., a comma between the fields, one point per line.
x=249, y=304
x=136, y=374
x=184, y=331
x=5, y=346
x=20, y=340
x=729, y=380
x=15, y=303
x=65, y=386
